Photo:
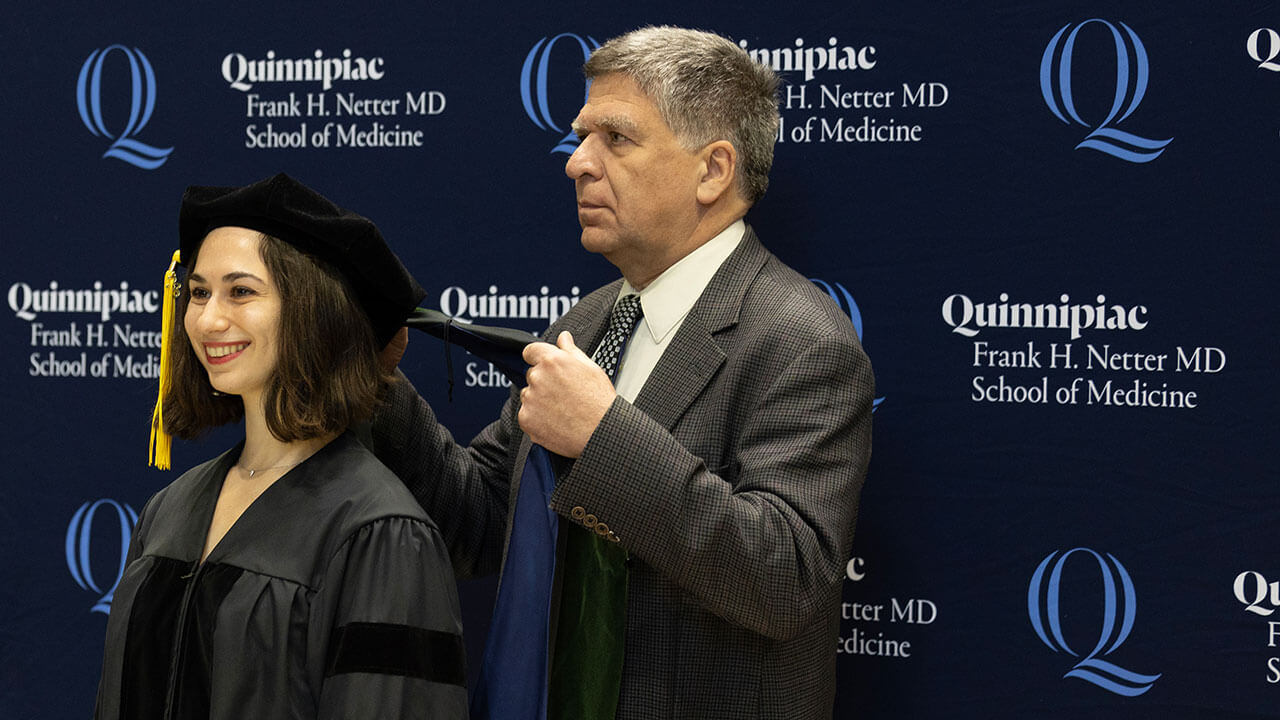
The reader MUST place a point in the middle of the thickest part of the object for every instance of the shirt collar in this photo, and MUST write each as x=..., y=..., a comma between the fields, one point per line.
x=672, y=294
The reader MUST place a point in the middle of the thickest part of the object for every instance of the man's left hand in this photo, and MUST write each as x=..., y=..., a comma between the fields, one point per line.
x=566, y=396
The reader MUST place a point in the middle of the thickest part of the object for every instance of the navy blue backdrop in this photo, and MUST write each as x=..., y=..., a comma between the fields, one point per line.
x=1053, y=224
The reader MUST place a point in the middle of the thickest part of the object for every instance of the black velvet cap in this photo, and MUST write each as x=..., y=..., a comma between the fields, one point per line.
x=286, y=209
x=504, y=347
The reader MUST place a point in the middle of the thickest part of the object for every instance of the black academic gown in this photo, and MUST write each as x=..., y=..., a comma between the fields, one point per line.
x=331, y=597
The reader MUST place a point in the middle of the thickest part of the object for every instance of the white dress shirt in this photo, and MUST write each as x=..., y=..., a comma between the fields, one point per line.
x=666, y=301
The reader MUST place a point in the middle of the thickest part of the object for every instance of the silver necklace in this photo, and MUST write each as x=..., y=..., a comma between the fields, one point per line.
x=263, y=469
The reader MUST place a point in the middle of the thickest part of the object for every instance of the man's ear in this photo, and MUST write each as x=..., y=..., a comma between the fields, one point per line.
x=719, y=167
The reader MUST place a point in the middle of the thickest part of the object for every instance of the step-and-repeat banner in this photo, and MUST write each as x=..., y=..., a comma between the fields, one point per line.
x=1053, y=224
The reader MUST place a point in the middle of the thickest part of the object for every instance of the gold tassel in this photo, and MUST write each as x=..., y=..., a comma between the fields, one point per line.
x=161, y=441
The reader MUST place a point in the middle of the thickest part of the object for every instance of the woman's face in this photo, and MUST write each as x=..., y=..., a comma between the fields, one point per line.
x=233, y=318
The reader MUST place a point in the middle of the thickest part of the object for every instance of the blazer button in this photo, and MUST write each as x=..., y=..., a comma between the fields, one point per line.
x=613, y=537
x=602, y=529
x=589, y=521
x=578, y=513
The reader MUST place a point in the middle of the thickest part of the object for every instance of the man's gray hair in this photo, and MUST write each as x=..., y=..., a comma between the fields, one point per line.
x=706, y=88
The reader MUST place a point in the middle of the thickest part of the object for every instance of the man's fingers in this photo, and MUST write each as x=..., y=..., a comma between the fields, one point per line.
x=565, y=343
x=535, y=352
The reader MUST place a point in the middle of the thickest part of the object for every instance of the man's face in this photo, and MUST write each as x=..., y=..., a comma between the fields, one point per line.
x=636, y=186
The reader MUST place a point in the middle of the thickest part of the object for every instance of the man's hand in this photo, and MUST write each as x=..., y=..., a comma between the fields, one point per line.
x=566, y=396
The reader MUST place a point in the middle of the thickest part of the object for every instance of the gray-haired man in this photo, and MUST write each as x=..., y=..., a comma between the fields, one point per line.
x=725, y=458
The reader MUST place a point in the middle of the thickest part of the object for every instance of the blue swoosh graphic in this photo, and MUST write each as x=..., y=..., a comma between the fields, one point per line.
x=1102, y=141
x=138, y=154
x=1137, y=683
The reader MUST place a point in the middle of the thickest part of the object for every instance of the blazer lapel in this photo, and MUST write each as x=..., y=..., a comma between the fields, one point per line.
x=591, y=320
x=694, y=355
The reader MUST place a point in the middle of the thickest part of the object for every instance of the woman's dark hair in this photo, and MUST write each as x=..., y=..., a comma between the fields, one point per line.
x=327, y=375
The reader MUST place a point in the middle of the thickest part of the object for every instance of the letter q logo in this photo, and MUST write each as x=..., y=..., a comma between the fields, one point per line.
x=1119, y=609
x=535, y=93
x=142, y=101
x=80, y=547
x=1057, y=67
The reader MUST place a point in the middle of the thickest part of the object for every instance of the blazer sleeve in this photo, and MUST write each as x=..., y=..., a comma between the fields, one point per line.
x=464, y=489
x=761, y=541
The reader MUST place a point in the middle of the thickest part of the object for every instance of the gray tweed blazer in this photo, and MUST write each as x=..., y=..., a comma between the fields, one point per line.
x=733, y=482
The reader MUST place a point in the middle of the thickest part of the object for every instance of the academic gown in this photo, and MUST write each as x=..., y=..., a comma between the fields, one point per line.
x=331, y=597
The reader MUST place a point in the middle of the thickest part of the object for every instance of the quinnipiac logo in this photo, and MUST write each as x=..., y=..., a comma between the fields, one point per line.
x=1119, y=609
x=1132, y=74
x=536, y=87
x=142, y=101
x=81, y=544
x=844, y=299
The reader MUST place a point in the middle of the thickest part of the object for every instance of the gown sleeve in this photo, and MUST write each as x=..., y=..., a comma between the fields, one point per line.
x=107, y=702
x=386, y=629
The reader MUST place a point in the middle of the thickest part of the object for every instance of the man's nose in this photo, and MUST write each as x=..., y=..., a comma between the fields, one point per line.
x=583, y=160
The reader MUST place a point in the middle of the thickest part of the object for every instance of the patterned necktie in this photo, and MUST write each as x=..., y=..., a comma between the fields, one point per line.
x=622, y=321
x=586, y=670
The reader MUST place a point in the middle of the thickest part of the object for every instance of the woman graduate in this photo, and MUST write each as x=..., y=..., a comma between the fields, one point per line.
x=293, y=576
